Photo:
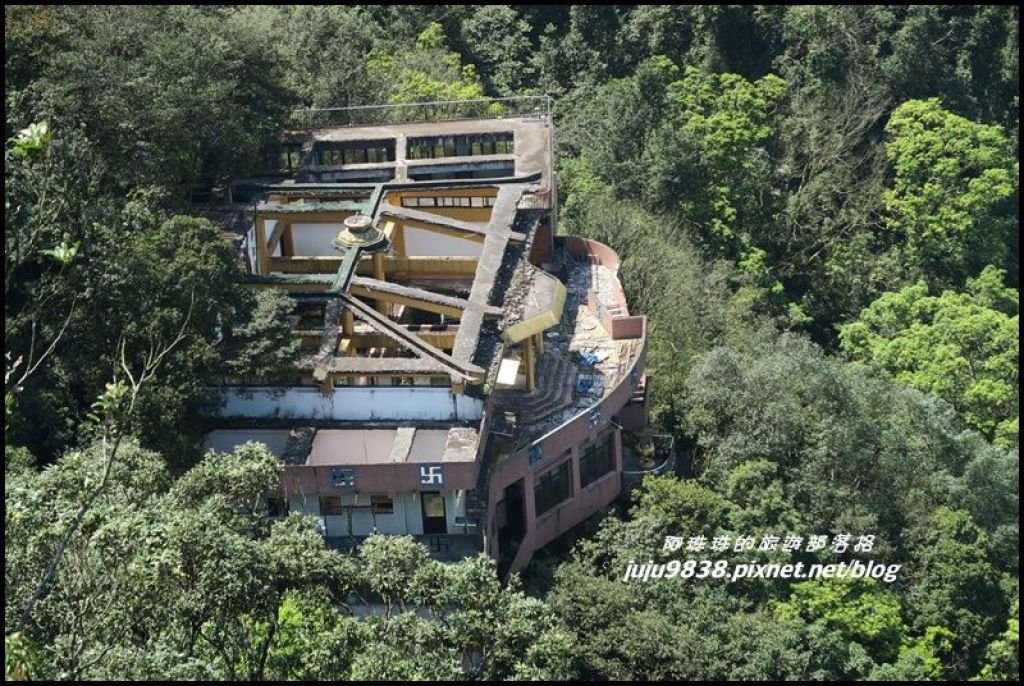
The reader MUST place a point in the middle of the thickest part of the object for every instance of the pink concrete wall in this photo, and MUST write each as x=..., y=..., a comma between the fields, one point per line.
x=591, y=251
x=378, y=478
x=626, y=327
x=583, y=503
x=381, y=478
x=621, y=325
x=541, y=250
x=569, y=438
x=634, y=416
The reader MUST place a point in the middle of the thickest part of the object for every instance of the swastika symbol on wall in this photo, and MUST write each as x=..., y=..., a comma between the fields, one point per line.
x=432, y=475
x=343, y=478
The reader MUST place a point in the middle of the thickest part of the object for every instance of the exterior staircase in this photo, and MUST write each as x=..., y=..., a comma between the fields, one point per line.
x=556, y=383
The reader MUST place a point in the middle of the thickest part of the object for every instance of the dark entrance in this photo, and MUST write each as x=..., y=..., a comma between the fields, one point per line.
x=434, y=521
x=515, y=514
x=511, y=533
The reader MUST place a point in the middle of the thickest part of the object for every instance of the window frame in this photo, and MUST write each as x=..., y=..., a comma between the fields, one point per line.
x=543, y=491
x=381, y=504
x=589, y=473
x=340, y=510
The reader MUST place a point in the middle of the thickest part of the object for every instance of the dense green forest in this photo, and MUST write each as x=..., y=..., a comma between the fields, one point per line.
x=817, y=207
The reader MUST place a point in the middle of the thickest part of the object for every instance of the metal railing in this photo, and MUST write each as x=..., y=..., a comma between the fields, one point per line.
x=664, y=445
x=404, y=113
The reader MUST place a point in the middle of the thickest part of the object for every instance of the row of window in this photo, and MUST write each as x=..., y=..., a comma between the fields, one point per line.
x=379, y=504
x=485, y=170
x=461, y=146
x=554, y=486
x=290, y=158
x=379, y=152
x=392, y=381
x=450, y=201
x=596, y=461
x=333, y=157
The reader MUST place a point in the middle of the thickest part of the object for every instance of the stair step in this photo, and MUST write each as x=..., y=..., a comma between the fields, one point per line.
x=557, y=381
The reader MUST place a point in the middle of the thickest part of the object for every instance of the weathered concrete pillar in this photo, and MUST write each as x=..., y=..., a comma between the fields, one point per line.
x=262, y=260
x=398, y=240
x=288, y=241
x=531, y=381
x=378, y=273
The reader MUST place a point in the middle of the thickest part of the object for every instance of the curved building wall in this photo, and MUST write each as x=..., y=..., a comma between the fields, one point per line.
x=570, y=440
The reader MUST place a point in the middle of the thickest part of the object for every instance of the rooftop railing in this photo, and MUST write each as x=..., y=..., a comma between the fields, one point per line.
x=403, y=113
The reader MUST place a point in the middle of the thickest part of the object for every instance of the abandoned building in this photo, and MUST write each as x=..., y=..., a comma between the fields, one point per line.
x=465, y=375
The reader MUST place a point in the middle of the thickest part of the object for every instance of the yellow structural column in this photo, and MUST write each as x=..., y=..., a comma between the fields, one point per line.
x=262, y=260
x=288, y=241
x=348, y=329
x=398, y=240
x=378, y=273
x=531, y=381
x=540, y=343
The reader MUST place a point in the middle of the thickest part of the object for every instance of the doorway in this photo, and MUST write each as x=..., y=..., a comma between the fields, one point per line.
x=512, y=530
x=515, y=515
x=434, y=520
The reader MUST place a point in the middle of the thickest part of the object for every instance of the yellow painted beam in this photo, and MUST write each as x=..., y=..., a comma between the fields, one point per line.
x=289, y=241
x=275, y=236
x=398, y=241
x=445, y=230
x=395, y=197
x=416, y=303
x=261, y=246
x=541, y=321
x=439, y=339
x=399, y=267
x=307, y=217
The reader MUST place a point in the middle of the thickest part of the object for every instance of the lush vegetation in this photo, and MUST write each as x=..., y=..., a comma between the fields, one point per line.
x=817, y=207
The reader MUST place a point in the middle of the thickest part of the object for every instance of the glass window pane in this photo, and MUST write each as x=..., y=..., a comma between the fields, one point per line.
x=552, y=487
x=433, y=505
x=382, y=504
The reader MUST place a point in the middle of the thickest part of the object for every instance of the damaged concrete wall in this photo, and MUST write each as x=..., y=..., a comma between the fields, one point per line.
x=380, y=403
